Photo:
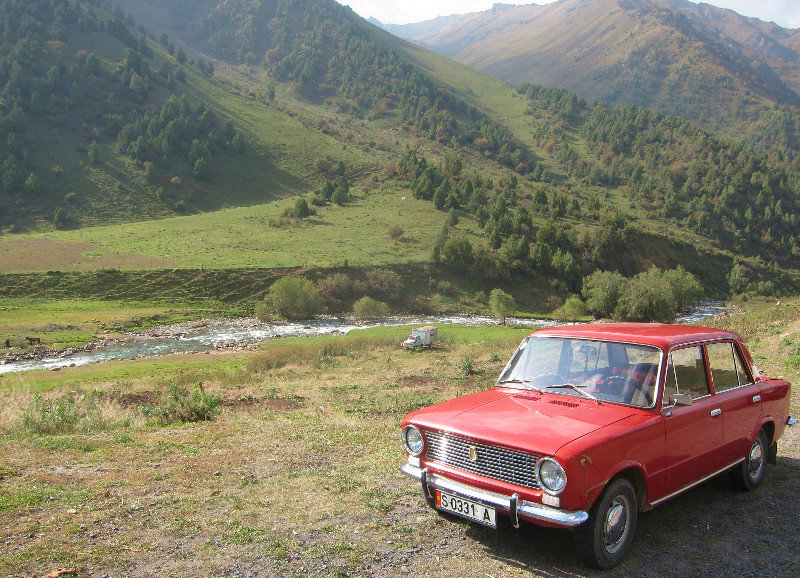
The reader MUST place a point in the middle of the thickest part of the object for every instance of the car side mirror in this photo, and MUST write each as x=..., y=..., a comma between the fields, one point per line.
x=677, y=399
x=680, y=399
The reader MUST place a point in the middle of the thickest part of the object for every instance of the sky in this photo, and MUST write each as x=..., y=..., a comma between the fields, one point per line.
x=786, y=13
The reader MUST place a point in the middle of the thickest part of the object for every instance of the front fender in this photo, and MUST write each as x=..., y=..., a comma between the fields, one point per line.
x=594, y=460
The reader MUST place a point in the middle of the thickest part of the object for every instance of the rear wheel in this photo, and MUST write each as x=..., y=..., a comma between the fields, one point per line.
x=750, y=473
x=606, y=537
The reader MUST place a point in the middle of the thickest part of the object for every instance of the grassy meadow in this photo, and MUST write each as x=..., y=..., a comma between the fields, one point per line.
x=255, y=236
x=297, y=472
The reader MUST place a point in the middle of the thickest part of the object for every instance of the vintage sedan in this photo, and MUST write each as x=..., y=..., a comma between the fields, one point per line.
x=588, y=425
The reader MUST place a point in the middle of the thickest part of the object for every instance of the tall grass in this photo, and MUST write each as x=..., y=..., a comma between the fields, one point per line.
x=277, y=355
x=70, y=414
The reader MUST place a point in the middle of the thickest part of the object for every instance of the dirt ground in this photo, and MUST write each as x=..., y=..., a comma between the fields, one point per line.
x=298, y=476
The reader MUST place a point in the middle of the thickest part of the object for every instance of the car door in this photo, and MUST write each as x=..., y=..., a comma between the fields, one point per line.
x=694, y=434
x=737, y=395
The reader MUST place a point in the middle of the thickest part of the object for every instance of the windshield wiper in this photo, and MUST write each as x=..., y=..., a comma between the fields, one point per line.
x=525, y=382
x=572, y=386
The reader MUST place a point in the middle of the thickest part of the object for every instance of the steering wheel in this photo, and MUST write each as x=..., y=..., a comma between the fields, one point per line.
x=626, y=383
x=546, y=379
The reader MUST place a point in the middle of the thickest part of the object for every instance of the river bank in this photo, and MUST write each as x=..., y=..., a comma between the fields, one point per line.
x=241, y=333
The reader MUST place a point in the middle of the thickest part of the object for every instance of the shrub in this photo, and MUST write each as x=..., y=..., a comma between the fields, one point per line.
x=738, y=278
x=395, y=232
x=601, y=290
x=367, y=307
x=384, y=283
x=45, y=416
x=502, y=304
x=294, y=298
x=178, y=406
x=301, y=209
x=647, y=297
x=466, y=365
x=337, y=287
x=277, y=354
x=573, y=309
x=685, y=287
x=457, y=253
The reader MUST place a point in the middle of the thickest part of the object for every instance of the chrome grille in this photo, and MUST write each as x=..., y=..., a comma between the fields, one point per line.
x=495, y=462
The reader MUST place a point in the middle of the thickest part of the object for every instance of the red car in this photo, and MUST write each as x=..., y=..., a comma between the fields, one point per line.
x=588, y=425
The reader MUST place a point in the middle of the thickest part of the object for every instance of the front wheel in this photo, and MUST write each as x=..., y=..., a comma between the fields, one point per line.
x=606, y=537
x=750, y=473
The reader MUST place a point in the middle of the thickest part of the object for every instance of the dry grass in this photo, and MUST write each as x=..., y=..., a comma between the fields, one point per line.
x=299, y=476
x=22, y=255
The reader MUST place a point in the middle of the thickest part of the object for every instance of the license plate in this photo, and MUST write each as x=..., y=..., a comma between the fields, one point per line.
x=466, y=509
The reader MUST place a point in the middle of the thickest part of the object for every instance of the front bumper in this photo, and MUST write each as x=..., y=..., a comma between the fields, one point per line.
x=515, y=507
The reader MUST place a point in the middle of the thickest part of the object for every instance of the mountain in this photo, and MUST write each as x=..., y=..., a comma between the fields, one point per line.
x=728, y=73
x=277, y=128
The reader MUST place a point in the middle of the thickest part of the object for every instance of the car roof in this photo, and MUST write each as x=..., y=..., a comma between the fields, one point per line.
x=662, y=335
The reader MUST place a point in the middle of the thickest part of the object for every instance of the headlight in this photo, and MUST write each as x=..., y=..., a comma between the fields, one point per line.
x=413, y=440
x=552, y=476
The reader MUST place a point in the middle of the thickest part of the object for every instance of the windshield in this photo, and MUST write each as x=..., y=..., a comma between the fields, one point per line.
x=601, y=370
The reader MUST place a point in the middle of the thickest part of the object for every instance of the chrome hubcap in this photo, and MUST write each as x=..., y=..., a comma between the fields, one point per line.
x=755, y=460
x=616, y=526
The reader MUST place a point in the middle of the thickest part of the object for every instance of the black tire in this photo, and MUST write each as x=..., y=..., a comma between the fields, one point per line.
x=749, y=474
x=606, y=537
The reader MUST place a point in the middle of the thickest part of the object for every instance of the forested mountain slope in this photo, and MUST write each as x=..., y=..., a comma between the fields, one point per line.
x=94, y=122
x=242, y=103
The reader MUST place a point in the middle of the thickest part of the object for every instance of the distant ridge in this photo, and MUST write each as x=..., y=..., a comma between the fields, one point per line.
x=729, y=73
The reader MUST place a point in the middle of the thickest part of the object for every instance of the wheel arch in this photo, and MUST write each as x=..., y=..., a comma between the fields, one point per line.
x=768, y=425
x=631, y=471
x=637, y=479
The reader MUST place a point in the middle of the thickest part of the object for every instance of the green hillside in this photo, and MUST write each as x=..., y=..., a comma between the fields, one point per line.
x=397, y=157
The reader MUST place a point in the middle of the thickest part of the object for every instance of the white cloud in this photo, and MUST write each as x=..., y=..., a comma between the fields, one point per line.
x=783, y=12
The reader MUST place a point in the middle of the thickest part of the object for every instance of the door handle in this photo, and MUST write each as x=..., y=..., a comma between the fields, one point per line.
x=716, y=412
x=756, y=398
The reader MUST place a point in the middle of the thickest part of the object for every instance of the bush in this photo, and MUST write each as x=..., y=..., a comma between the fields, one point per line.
x=573, y=309
x=647, y=297
x=384, y=283
x=601, y=290
x=294, y=298
x=685, y=287
x=395, y=232
x=466, y=365
x=338, y=287
x=502, y=304
x=277, y=354
x=63, y=415
x=366, y=307
x=457, y=253
x=301, y=209
x=178, y=406
x=738, y=278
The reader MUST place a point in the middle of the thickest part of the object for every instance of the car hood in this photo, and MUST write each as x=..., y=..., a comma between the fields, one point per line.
x=529, y=420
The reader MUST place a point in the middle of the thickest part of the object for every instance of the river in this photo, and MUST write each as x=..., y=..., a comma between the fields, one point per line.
x=241, y=333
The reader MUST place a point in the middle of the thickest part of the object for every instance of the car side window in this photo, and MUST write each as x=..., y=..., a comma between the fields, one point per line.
x=686, y=373
x=722, y=362
x=744, y=378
